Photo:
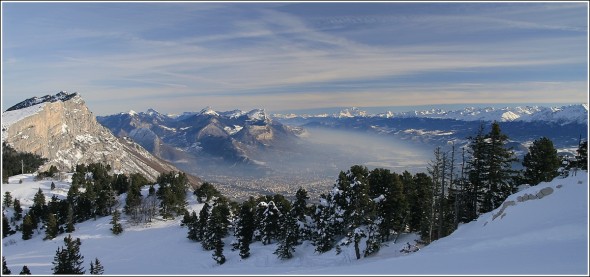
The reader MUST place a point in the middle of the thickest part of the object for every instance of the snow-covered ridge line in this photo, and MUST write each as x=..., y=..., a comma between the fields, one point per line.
x=577, y=113
x=61, y=96
x=253, y=115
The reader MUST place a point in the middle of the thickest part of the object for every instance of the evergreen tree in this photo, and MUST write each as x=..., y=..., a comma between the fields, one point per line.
x=7, y=199
x=39, y=206
x=289, y=237
x=51, y=227
x=218, y=253
x=216, y=227
x=216, y=231
x=52, y=185
x=172, y=193
x=245, y=226
x=25, y=271
x=18, y=210
x=373, y=236
x=490, y=171
x=270, y=223
x=325, y=218
x=5, y=269
x=541, y=162
x=14, y=162
x=193, y=228
x=27, y=227
x=441, y=214
x=6, y=230
x=499, y=170
x=206, y=192
x=300, y=212
x=476, y=171
x=96, y=268
x=582, y=156
x=186, y=219
x=389, y=202
x=70, y=220
x=201, y=224
x=117, y=227
x=68, y=259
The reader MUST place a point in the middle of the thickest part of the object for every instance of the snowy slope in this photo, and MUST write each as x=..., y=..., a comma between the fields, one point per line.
x=538, y=236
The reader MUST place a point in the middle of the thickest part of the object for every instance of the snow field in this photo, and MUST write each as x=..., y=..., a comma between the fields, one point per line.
x=539, y=236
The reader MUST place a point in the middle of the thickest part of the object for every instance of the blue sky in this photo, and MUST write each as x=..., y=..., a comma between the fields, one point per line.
x=184, y=56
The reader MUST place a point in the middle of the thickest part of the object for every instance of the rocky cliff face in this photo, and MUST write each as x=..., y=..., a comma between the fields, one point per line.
x=64, y=131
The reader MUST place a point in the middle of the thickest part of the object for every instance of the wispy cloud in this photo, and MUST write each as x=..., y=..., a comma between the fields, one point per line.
x=236, y=56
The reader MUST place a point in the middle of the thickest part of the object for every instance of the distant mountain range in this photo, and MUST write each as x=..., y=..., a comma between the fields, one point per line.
x=561, y=115
x=230, y=137
x=437, y=127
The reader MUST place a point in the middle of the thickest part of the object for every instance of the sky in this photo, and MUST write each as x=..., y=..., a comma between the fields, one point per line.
x=184, y=56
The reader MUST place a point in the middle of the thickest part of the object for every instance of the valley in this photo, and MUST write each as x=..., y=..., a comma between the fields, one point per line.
x=245, y=153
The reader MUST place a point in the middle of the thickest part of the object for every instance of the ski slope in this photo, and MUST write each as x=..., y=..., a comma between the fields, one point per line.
x=541, y=236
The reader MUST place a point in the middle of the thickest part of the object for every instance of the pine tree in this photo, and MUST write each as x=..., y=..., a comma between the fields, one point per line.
x=133, y=202
x=52, y=185
x=7, y=199
x=440, y=170
x=389, y=201
x=201, y=224
x=476, y=171
x=499, y=170
x=541, y=162
x=6, y=230
x=216, y=231
x=117, y=227
x=289, y=237
x=27, y=227
x=270, y=223
x=324, y=217
x=68, y=259
x=186, y=219
x=373, y=243
x=172, y=193
x=25, y=271
x=299, y=211
x=5, y=269
x=216, y=227
x=193, y=228
x=18, y=210
x=51, y=227
x=96, y=268
x=245, y=226
x=70, y=220
x=39, y=206
x=206, y=192
x=218, y=253
x=582, y=156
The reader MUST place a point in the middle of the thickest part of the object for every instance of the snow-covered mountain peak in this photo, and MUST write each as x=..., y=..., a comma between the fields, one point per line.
x=60, y=96
x=209, y=111
x=351, y=112
x=152, y=112
x=258, y=115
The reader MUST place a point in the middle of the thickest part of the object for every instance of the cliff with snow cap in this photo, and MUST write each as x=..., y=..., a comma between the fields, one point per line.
x=62, y=129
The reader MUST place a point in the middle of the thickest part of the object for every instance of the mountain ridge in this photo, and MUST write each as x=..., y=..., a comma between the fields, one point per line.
x=62, y=129
x=575, y=113
x=229, y=135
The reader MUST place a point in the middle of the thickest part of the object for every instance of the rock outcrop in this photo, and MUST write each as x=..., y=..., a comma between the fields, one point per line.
x=62, y=129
